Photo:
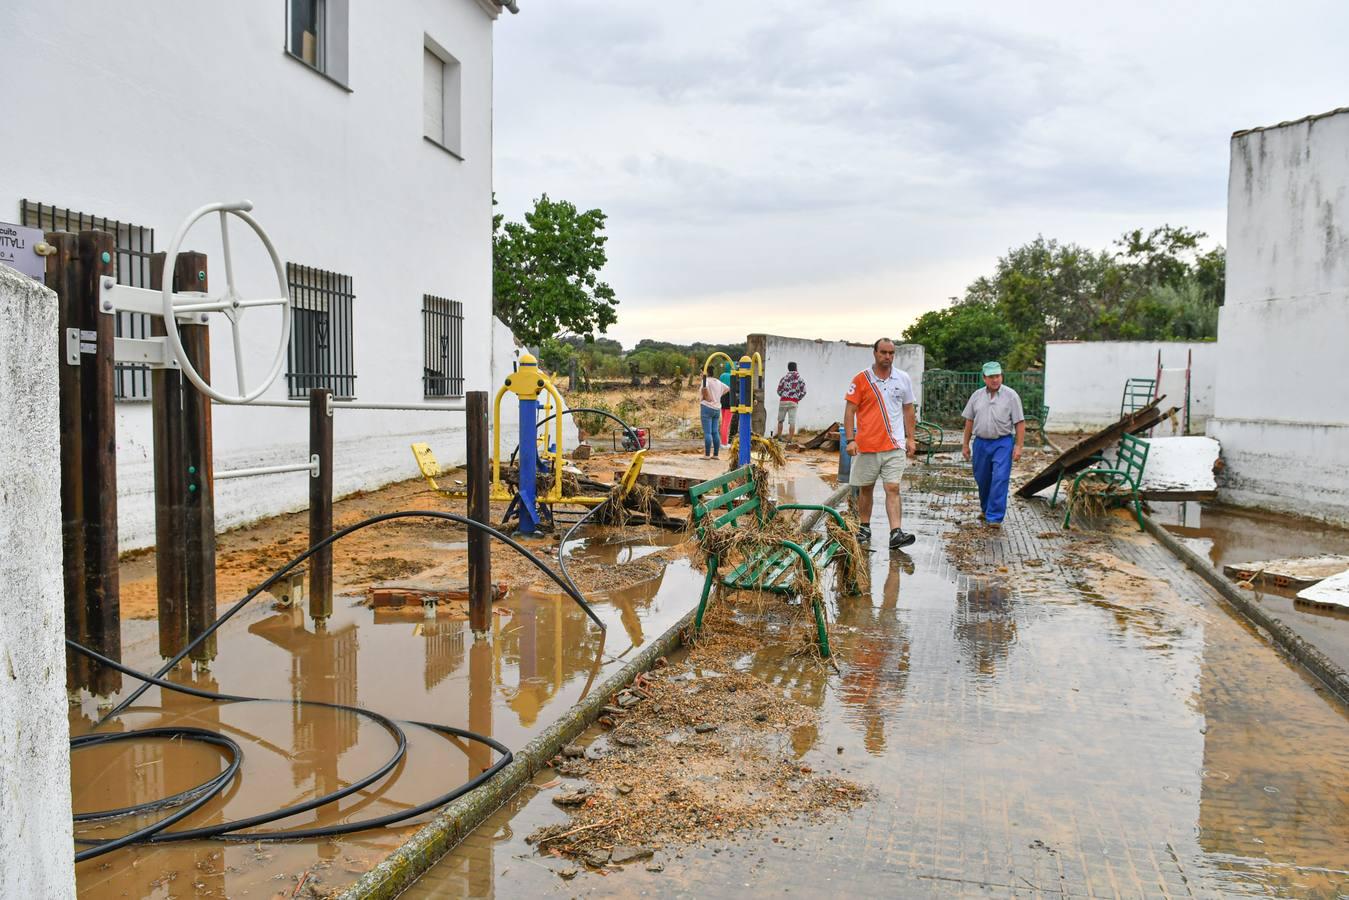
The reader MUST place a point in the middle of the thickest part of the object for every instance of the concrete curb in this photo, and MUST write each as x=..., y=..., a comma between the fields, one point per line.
x=1326, y=670
x=454, y=823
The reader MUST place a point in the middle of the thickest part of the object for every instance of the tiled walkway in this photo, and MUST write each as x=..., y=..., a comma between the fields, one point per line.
x=1073, y=715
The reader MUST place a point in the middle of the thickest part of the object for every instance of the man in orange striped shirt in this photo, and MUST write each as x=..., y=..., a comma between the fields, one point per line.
x=878, y=424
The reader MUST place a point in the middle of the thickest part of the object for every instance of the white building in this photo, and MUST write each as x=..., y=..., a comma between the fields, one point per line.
x=1281, y=410
x=363, y=135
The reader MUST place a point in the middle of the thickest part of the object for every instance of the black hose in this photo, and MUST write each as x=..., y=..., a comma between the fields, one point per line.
x=632, y=435
x=280, y=573
x=196, y=797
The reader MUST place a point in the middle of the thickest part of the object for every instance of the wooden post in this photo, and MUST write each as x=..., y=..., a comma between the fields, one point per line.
x=196, y=470
x=321, y=505
x=98, y=434
x=63, y=277
x=479, y=510
x=166, y=410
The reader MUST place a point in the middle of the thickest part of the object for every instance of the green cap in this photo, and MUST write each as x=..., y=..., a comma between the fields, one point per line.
x=993, y=368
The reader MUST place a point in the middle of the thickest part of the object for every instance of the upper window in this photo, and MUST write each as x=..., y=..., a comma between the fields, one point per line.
x=316, y=34
x=442, y=347
x=440, y=97
x=320, y=333
x=135, y=245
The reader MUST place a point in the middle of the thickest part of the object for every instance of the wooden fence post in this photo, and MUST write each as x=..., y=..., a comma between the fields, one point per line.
x=197, y=470
x=98, y=433
x=321, y=505
x=63, y=277
x=479, y=510
x=166, y=410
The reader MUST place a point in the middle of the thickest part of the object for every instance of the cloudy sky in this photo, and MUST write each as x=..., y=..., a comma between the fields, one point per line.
x=835, y=169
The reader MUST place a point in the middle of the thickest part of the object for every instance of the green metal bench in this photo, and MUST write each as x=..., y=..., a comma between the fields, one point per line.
x=929, y=437
x=1037, y=421
x=720, y=503
x=1127, y=472
x=1138, y=393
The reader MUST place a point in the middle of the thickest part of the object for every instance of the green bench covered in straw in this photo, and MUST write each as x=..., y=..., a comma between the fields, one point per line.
x=735, y=520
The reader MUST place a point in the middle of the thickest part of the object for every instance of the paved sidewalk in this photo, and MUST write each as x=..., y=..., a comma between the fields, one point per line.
x=1069, y=714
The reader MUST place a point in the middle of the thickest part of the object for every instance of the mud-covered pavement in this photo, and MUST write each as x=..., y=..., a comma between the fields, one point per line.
x=1035, y=712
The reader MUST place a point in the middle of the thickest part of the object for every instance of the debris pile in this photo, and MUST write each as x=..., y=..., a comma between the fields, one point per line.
x=697, y=750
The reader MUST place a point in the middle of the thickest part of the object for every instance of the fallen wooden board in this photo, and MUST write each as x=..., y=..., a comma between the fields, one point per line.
x=1302, y=571
x=1080, y=455
x=1331, y=591
x=1180, y=468
x=818, y=441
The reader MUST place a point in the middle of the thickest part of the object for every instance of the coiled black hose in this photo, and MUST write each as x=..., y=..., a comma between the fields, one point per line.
x=195, y=798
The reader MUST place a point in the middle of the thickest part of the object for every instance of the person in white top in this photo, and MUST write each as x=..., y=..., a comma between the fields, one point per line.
x=709, y=409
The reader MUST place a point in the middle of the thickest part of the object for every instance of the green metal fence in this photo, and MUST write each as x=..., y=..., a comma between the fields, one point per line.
x=945, y=392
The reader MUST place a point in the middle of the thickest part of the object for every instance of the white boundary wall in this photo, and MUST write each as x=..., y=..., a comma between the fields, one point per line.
x=1281, y=412
x=35, y=829
x=1084, y=380
x=827, y=367
x=204, y=107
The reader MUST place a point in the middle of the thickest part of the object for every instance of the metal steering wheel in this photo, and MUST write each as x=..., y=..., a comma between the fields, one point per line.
x=229, y=303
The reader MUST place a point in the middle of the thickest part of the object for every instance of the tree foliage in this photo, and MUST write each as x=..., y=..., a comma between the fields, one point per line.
x=545, y=273
x=961, y=337
x=1154, y=285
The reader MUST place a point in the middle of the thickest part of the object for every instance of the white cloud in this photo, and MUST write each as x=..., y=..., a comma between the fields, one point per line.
x=871, y=150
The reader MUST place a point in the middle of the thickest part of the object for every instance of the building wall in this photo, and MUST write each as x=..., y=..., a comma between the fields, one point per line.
x=1084, y=380
x=1279, y=411
x=35, y=832
x=827, y=367
x=143, y=113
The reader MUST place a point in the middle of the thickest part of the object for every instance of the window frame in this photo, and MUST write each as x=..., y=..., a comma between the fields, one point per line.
x=332, y=57
x=451, y=137
x=323, y=301
x=443, y=326
x=131, y=381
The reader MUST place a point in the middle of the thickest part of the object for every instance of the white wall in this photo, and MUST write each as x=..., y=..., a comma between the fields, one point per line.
x=35, y=829
x=1084, y=380
x=827, y=367
x=191, y=109
x=1280, y=411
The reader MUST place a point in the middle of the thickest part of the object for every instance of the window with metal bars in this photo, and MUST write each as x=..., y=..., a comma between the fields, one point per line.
x=442, y=347
x=135, y=245
x=320, y=333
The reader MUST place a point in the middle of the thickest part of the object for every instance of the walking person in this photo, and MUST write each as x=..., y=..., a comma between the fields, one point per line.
x=709, y=408
x=791, y=390
x=878, y=425
x=994, y=418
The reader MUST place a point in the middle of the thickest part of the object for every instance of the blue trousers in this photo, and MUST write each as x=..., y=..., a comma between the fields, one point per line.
x=711, y=419
x=992, y=471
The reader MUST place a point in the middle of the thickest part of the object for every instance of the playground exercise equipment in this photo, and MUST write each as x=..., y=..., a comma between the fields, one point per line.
x=527, y=383
x=743, y=376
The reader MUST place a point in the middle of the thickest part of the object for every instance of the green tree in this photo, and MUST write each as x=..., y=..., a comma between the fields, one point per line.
x=961, y=337
x=545, y=273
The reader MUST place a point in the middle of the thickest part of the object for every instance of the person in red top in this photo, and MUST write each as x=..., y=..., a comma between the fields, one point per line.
x=878, y=425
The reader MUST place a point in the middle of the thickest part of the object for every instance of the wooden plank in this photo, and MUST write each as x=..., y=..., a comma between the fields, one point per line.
x=830, y=433
x=1080, y=455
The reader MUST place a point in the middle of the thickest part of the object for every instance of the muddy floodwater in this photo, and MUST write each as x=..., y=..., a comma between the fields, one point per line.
x=541, y=655
x=1228, y=536
x=1086, y=721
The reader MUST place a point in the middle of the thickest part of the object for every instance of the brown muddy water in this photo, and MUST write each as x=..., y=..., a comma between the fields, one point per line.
x=541, y=655
x=1103, y=732
x=1226, y=535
